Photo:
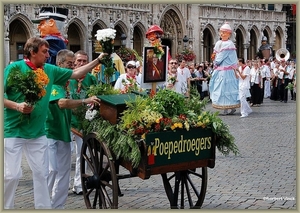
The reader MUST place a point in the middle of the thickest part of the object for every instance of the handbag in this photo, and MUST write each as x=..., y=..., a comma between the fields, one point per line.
x=204, y=86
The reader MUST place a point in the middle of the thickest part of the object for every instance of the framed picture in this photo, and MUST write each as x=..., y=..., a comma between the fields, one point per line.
x=155, y=67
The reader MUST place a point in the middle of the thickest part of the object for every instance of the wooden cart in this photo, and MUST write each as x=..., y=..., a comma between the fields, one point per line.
x=175, y=155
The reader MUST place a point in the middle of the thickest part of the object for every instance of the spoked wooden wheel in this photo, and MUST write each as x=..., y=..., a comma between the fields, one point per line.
x=186, y=189
x=98, y=175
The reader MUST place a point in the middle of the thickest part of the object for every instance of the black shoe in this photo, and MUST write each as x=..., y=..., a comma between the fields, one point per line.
x=231, y=112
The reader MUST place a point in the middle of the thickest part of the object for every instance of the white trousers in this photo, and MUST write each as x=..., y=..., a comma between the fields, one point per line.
x=59, y=172
x=36, y=154
x=245, y=108
x=77, y=179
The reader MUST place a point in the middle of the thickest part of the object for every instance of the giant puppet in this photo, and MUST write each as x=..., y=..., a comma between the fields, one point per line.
x=51, y=22
x=265, y=50
x=154, y=35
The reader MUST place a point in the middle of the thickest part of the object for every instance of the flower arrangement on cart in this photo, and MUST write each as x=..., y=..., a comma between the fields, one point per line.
x=164, y=111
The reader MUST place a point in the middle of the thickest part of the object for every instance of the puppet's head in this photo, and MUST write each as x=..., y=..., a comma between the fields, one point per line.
x=51, y=20
x=225, y=32
x=154, y=34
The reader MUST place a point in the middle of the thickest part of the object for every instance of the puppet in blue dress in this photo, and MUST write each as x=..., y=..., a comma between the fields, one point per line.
x=223, y=86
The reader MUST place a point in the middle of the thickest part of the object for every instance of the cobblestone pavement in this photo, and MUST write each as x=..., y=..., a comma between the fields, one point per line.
x=263, y=176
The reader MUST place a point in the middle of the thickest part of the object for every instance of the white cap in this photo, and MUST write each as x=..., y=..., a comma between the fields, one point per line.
x=132, y=63
x=226, y=27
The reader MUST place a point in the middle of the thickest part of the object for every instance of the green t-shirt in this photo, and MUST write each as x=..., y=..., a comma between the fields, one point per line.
x=58, y=122
x=35, y=126
x=80, y=92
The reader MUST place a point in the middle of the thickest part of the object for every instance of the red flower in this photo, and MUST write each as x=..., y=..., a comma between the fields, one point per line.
x=187, y=55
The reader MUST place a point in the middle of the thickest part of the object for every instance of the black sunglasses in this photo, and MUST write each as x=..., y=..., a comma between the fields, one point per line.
x=173, y=63
x=130, y=67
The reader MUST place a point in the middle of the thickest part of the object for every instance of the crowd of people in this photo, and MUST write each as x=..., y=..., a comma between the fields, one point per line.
x=265, y=78
x=46, y=138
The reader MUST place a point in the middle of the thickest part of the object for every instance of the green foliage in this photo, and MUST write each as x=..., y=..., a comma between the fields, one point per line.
x=121, y=145
x=168, y=103
x=31, y=84
x=225, y=140
x=98, y=89
x=290, y=86
x=101, y=89
x=194, y=104
x=133, y=112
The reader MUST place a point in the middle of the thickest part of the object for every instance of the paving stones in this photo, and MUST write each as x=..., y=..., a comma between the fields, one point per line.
x=262, y=177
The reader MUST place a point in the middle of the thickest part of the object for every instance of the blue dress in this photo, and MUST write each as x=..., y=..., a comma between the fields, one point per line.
x=223, y=85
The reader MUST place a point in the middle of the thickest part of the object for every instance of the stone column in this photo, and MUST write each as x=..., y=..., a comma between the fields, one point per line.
x=246, y=46
x=6, y=51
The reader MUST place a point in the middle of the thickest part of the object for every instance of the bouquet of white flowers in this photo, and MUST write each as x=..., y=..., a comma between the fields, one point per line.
x=106, y=37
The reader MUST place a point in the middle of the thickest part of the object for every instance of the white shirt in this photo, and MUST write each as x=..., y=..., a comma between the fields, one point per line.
x=266, y=72
x=123, y=77
x=291, y=71
x=272, y=65
x=281, y=73
x=254, y=75
x=244, y=83
x=183, y=75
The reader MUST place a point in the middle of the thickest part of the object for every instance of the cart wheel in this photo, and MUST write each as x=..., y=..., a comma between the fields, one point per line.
x=98, y=175
x=181, y=190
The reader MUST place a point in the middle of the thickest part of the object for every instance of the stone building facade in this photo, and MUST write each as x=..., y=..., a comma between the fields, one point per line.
x=199, y=22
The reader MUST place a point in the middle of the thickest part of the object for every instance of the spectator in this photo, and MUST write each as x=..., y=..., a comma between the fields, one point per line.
x=202, y=85
x=193, y=79
x=172, y=74
x=256, y=81
x=295, y=86
x=265, y=75
x=291, y=70
x=274, y=82
x=182, y=85
x=284, y=76
x=128, y=81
